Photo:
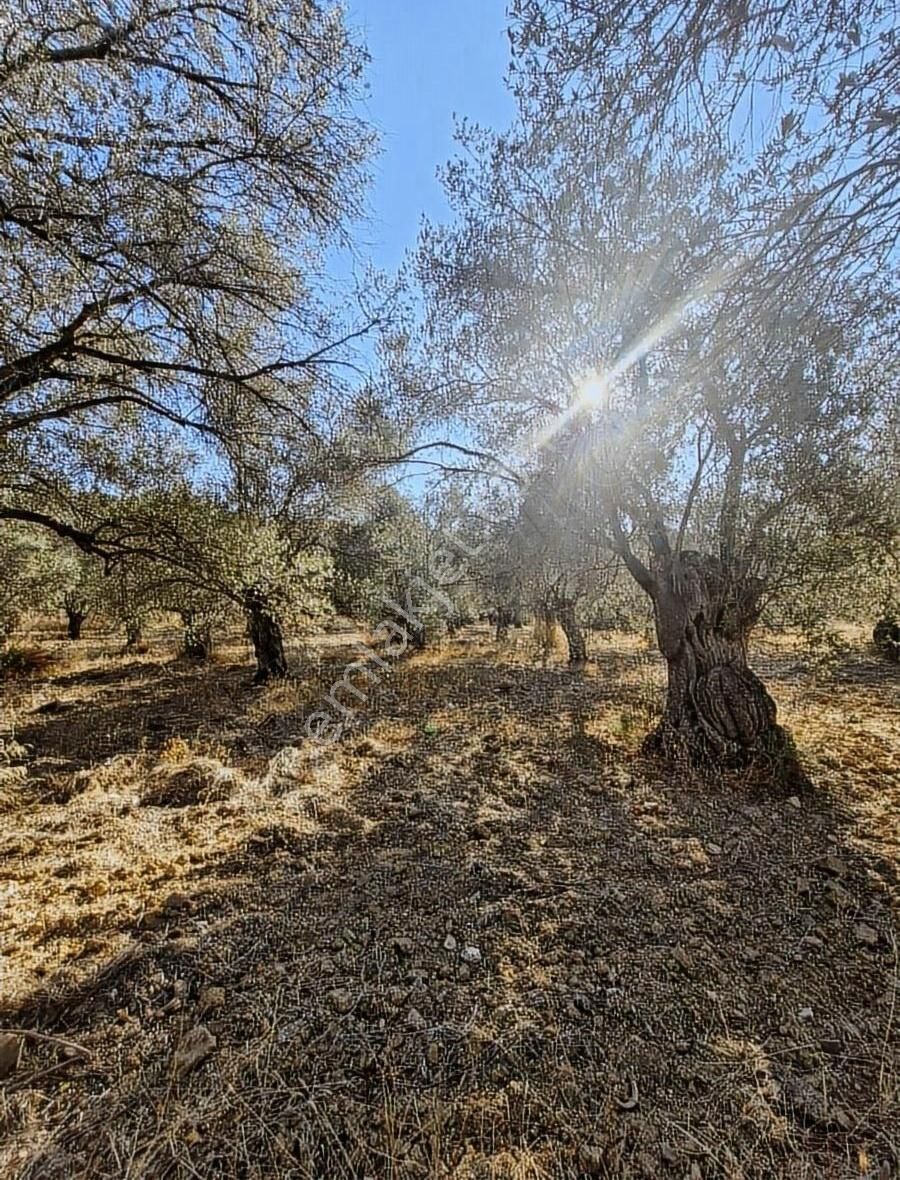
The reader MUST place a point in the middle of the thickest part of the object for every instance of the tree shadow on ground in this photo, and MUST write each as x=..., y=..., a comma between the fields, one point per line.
x=492, y=943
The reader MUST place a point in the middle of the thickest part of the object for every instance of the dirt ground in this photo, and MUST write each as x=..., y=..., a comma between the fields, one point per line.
x=480, y=937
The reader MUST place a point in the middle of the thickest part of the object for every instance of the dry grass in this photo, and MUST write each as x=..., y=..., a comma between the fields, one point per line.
x=671, y=979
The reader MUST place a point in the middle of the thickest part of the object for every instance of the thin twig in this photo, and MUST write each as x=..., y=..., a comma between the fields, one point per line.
x=50, y=1040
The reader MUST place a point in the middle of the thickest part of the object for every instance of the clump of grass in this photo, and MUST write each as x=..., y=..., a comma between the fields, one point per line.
x=23, y=660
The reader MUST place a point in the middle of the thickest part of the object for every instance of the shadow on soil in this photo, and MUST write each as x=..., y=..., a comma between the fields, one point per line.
x=526, y=940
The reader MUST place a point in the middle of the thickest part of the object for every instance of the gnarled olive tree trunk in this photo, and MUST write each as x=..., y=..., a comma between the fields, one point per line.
x=565, y=613
x=133, y=633
x=264, y=628
x=886, y=637
x=717, y=709
x=76, y=612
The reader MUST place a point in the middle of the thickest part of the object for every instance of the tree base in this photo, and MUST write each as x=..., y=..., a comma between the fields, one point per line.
x=772, y=760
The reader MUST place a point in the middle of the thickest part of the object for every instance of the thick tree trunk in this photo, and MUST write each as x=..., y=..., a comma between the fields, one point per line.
x=886, y=637
x=717, y=710
x=565, y=613
x=505, y=619
x=267, y=637
x=76, y=609
x=74, y=622
x=197, y=643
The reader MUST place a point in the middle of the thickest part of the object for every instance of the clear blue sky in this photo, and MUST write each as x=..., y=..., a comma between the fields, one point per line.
x=431, y=59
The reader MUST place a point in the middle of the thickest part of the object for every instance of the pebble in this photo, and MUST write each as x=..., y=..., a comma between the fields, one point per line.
x=340, y=1000
x=470, y=955
x=193, y=1049
x=450, y=943
x=865, y=934
x=212, y=998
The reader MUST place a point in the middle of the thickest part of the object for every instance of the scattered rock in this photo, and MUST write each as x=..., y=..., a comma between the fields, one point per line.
x=416, y=1020
x=403, y=945
x=714, y=849
x=450, y=943
x=193, y=1049
x=683, y=959
x=433, y=1053
x=805, y=1014
x=804, y=1100
x=470, y=955
x=865, y=934
x=211, y=998
x=340, y=1000
x=837, y=895
x=10, y=1049
x=794, y=802
x=833, y=865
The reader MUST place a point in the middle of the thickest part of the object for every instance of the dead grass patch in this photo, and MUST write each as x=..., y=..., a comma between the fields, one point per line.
x=479, y=937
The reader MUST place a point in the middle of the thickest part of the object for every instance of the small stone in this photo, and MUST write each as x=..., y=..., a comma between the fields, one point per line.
x=176, y=902
x=403, y=945
x=10, y=1048
x=465, y=972
x=683, y=959
x=470, y=955
x=416, y=1020
x=837, y=895
x=211, y=998
x=714, y=849
x=805, y=1013
x=450, y=943
x=433, y=1053
x=865, y=934
x=340, y=1000
x=193, y=1049
x=794, y=802
x=833, y=865
x=667, y=1155
x=843, y=1120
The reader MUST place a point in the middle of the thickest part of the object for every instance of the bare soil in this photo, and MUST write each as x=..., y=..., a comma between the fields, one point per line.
x=479, y=937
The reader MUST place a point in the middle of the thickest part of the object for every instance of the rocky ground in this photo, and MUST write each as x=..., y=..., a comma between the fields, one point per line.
x=479, y=937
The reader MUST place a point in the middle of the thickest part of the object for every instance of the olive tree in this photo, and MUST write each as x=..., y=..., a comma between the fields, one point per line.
x=606, y=297
x=170, y=177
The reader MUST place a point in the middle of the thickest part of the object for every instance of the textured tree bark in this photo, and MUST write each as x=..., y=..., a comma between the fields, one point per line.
x=505, y=620
x=74, y=622
x=77, y=611
x=565, y=613
x=717, y=709
x=267, y=638
x=886, y=637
